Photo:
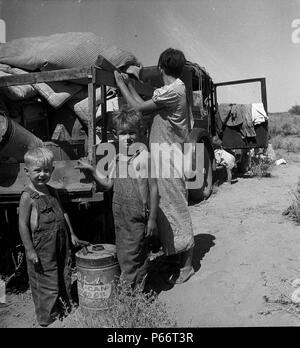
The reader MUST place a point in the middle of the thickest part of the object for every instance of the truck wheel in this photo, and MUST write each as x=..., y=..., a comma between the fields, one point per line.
x=204, y=192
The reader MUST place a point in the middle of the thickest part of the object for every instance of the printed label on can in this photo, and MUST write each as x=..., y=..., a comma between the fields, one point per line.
x=94, y=291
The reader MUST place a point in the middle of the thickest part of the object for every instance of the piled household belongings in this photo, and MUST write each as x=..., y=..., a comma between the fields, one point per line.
x=56, y=110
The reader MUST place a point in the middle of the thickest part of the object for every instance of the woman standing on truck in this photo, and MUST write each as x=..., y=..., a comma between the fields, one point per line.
x=171, y=125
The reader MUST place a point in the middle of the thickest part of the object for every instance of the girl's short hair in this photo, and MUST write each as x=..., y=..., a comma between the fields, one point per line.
x=39, y=155
x=172, y=62
x=126, y=118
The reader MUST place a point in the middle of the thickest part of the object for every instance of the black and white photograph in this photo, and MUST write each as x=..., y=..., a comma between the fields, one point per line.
x=149, y=166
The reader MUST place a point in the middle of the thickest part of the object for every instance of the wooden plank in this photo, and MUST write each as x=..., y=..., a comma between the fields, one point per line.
x=103, y=77
x=46, y=76
x=107, y=78
x=92, y=120
x=103, y=115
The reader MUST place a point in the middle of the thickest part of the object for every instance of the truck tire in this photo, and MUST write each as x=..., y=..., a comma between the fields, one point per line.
x=197, y=195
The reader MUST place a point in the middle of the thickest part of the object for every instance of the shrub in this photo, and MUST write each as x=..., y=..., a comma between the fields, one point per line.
x=293, y=211
x=284, y=124
x=295, y=110
x=277, y=142
x=289, y=143
x=261, y=166
x=128, y=308
x=287, y=128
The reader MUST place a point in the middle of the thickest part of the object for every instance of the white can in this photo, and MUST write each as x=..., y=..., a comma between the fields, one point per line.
x=2, y=291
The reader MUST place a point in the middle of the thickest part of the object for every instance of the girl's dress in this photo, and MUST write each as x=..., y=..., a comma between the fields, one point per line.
x=170, y=126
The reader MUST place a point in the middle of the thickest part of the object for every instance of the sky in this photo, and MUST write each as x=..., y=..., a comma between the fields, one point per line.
x=232, y=39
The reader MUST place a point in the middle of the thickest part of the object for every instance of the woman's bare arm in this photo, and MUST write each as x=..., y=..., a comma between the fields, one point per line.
x=132, y=97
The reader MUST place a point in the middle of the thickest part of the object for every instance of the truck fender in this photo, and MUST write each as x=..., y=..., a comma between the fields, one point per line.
x=200, y=135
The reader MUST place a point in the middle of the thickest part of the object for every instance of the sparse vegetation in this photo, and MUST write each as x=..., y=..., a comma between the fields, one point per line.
x=282, y=303
x=295, y=110
x=261, y=166
x=284, y=131
x=293, y=211
x=128, y=308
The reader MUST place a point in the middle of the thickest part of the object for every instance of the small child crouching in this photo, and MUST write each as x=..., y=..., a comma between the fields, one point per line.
x=223, y=158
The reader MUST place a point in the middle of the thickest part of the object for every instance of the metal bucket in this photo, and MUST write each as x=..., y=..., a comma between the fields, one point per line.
x=15, y=140
x=97, y=271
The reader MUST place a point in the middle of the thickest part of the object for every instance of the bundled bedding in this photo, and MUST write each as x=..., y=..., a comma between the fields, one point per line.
x=60, y=51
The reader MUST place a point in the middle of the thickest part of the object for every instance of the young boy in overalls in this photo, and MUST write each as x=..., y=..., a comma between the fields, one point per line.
x=135, y=196
x=43, y=227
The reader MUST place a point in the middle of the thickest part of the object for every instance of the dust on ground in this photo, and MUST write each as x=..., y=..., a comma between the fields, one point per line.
x=246, y=257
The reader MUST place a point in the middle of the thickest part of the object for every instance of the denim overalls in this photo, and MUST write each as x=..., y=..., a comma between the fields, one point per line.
x=130, y=218
x=51, y=243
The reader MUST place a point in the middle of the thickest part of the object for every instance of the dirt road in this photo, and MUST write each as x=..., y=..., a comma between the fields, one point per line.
x=245, y=251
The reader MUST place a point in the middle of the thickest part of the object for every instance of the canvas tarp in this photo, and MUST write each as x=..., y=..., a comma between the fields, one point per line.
x=62, y=51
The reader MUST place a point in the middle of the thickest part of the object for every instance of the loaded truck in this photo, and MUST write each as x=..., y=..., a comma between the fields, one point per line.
x=90, y=209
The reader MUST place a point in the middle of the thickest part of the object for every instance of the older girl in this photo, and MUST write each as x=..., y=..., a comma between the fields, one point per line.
x=171, y=125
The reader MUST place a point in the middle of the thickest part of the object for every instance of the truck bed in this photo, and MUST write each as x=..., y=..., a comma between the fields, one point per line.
x=71, y=183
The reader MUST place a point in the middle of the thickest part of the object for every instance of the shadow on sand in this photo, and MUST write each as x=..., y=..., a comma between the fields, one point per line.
x=162, y=268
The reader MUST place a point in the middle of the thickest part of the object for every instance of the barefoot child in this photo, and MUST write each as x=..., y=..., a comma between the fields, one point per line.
x=135, y=199
x=43, y=227
x=171, y=125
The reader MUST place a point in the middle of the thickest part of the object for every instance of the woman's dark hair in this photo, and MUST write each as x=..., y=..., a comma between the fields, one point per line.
x=172, y=62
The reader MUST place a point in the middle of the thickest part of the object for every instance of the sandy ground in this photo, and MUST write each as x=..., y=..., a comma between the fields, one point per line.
x=245, y=252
